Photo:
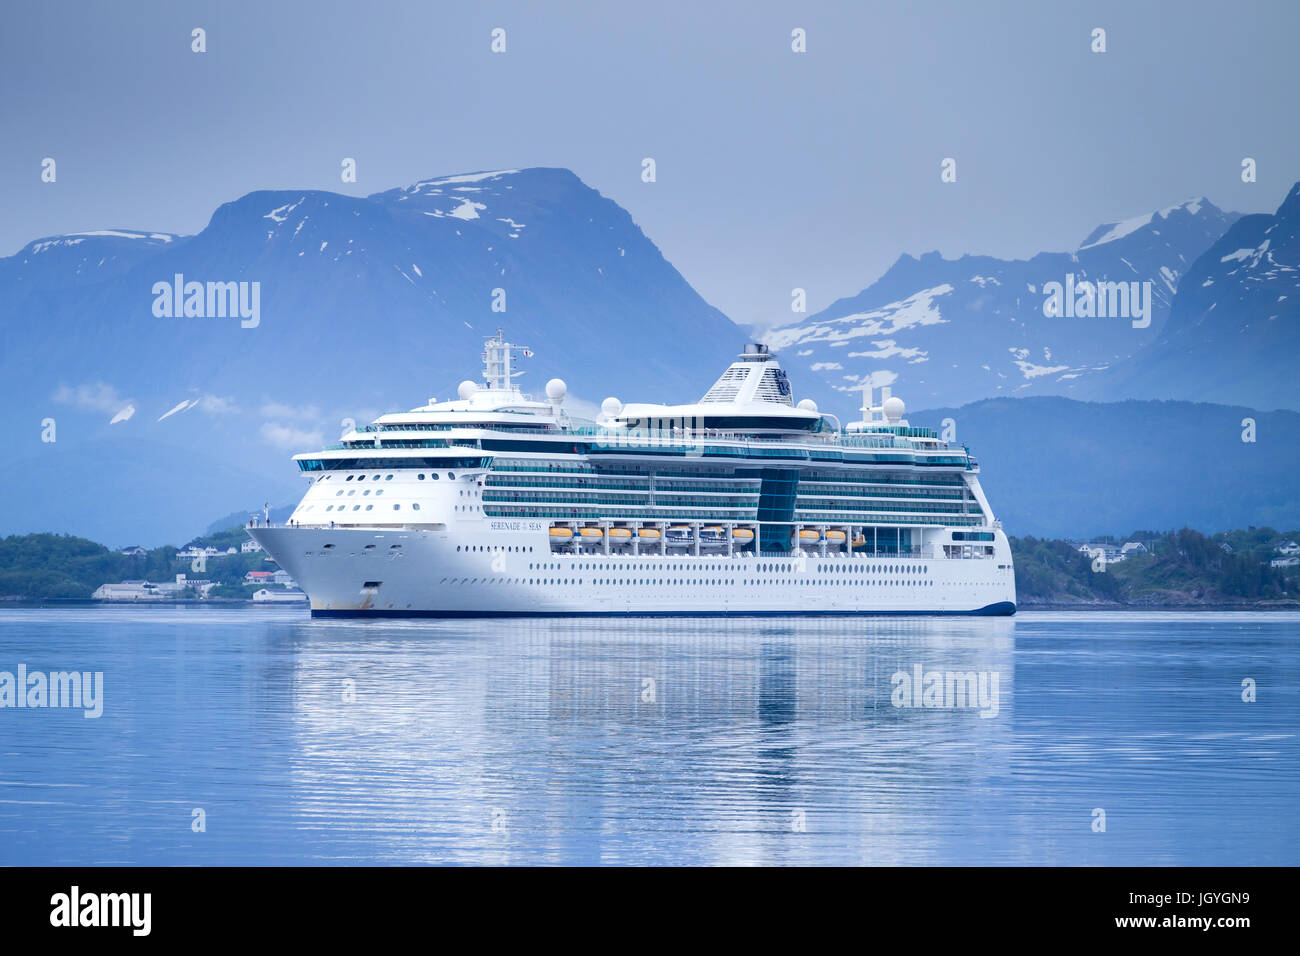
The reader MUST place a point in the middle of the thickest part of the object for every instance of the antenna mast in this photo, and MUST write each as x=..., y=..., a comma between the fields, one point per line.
x=496, y=361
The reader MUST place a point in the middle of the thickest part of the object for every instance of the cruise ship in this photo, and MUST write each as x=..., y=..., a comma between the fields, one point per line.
x=742, y=503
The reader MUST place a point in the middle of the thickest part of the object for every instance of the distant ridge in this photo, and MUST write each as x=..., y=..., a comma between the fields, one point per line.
x=951, y=331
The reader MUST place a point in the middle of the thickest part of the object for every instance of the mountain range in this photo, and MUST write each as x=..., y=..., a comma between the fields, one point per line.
x=1233, y=334
x=950, y=331
x=367, y=305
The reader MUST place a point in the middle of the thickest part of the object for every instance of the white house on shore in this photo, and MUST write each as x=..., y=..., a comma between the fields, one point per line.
x=150, y=591
x=1113, y=554
x=249, y=546
x=279, y=596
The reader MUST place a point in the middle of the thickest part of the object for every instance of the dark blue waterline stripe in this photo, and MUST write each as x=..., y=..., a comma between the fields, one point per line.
x=1000, y=609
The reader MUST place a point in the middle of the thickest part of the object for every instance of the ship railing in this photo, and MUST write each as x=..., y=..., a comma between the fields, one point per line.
x=856, y=554
x=715, y=434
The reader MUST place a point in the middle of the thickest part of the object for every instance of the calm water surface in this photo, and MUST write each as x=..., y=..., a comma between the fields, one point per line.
x=651, y=741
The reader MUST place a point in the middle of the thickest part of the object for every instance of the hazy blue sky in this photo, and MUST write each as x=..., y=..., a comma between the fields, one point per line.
x=775, y=169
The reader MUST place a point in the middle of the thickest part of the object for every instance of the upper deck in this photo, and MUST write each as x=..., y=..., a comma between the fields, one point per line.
x=748, y=414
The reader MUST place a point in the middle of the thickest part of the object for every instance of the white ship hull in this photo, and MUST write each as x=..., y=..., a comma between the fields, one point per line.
x=417, y=573
x=743, y=503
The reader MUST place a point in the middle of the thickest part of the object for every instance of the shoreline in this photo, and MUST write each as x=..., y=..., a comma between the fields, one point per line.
x=1023, y=606
x=1182, y=606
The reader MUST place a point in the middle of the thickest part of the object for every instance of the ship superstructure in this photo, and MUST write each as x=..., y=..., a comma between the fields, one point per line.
x=743, y=502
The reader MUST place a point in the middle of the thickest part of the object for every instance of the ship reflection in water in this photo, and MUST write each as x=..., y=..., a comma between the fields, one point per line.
x=661, y=741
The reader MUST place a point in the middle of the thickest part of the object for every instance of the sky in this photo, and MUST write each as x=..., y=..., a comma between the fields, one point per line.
x=775, y=169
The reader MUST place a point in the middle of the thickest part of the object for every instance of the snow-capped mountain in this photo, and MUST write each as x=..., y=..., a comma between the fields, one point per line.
x=86, y=257
x=950, y=331
x=1234, y=332
x=363, y=305
x=387, y=297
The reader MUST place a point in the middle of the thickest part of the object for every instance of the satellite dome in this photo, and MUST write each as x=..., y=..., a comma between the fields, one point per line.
x=555, y=389
x=466, y=390
x=894, y=408
x=611, y=407
x=808, y=405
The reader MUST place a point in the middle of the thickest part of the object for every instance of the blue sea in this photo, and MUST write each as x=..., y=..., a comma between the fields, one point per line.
x=260, y=736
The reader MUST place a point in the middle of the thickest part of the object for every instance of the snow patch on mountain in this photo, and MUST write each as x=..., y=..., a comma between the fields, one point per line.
x=467, y=210
x=282, y=213
x=916, y=310
x=1111, y=231
x=889, y=348
x=463, y=178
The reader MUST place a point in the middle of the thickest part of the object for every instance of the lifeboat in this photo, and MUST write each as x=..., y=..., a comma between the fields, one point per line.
x=806, y=535
x=561, y=532
x=649, y=532
x=835, y=535
x=591, y=533
x=742, y=534
x=620, y=533
x=860, y=541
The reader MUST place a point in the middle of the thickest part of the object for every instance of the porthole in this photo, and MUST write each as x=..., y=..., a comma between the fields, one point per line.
x=421, y=477
x=397, y=508
x=388, y=477
x=451, y=476
x=416, y=506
